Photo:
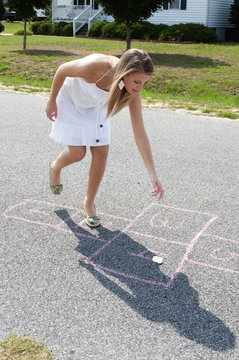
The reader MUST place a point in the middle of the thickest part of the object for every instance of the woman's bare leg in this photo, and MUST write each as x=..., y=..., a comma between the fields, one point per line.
x=97, y=169
x=71, y=155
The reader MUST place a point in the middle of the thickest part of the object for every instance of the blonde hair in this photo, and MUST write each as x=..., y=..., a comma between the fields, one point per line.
x=133, y=60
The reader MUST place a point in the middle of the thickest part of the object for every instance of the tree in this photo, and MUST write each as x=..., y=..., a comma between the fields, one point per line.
x=2, y=9
x=25, y=9
x=130, y=11
x=234, y=18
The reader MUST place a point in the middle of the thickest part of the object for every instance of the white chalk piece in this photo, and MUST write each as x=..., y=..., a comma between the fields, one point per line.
x=158, y=259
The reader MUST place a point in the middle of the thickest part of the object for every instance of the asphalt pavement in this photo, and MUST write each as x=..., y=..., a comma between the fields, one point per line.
x=99, y=293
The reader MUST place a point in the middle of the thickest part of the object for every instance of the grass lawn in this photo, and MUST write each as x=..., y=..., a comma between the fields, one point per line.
x=201, y=78
x=17, y=347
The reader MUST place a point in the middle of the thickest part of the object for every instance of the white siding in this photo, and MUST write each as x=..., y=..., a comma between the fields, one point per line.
x=196, y=12
x=219, y=11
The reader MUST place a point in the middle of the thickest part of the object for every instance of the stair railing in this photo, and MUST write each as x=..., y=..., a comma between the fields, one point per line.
x=81, y=19
x=98, y=16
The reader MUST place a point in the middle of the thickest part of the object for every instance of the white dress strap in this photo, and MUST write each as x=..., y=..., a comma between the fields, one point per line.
x=107, y=72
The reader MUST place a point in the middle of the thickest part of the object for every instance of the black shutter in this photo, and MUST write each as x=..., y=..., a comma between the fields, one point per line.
x=183, y=4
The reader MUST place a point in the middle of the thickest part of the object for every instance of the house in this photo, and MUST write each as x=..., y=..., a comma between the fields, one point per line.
x=212, y=13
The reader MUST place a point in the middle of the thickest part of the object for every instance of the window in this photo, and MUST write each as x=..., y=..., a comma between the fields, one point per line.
x=183, y=4
x=165, y=5
x=175, y=4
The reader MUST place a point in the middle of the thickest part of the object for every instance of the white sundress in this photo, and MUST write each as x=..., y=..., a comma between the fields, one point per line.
x=81, y=119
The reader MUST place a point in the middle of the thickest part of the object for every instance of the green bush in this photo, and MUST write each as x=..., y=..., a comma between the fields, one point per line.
x=21, y=32
x=57, y=28
x=143, y=30
x=137, y=31
x=67, y=30
x=235, y=34
x=110, y=30
x=156, y=30
x=35, y=27
x=96, y=29
x=121, y=31
x=188, y=32
x=45, y=28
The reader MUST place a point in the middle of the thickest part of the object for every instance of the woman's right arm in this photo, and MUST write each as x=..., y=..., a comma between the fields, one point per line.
x=75, y=68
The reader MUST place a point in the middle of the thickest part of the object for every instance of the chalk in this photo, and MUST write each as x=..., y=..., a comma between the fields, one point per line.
x=158, y=259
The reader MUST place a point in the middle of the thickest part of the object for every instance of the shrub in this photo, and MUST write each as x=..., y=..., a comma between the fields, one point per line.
x=110, y=30
x=57, y=28
x=156, y=31
x=96, y=29
x=21, y=32
x=143, y=30
x=121, y=31
x=137, y=31
x=67, y=30
x=188, y=32
x=45, y=28
x=35, y=28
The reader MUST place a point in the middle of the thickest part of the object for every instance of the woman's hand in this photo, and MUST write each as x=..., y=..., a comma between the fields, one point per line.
x=158, y=188
x=51, y=110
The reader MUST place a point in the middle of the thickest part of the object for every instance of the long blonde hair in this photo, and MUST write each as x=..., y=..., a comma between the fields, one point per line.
x=133, y=60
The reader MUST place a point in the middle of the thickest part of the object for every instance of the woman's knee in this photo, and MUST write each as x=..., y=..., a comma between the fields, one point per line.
x=77, y=153
x=100, y=153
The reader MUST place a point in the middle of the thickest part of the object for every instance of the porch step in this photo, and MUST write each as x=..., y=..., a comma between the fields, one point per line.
x=82, y=31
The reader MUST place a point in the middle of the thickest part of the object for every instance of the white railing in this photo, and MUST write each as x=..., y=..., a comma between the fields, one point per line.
x=81, y=19
x=98, y=16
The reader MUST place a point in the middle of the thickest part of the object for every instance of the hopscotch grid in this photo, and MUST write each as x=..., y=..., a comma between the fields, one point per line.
x=117, y=235
x=185, y=258
x=214, y=256
x=151, y=282
x=185, y=210
x=213, y=266
x=194, y=241
x=221, y=238
x=157, y=238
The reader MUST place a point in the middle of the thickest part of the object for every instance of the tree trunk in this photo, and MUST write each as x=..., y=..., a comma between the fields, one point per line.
x=128, y=35
x=25, y=35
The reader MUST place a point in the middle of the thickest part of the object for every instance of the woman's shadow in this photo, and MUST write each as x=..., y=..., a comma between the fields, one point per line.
x=177, y=305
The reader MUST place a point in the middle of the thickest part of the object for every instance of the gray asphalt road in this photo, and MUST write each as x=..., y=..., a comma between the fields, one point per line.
x=98, y=293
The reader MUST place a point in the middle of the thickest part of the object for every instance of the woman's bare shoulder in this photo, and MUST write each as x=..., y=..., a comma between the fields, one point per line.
x=98, y=64
x=90, y=67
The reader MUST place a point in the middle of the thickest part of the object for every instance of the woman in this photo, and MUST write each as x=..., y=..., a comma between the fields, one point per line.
x=84, y=94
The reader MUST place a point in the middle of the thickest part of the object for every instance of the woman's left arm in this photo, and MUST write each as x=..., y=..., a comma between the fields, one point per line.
x=142, y=141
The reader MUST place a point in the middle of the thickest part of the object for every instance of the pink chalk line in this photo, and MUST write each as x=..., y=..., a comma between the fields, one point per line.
x=190, y=247
x=214, y=267
x=165, y=224
x=86, y=261
x=181, y=209
x=39, y=212
x=214, y=256
x=55, y=227
x=220, y=238
x=119, y=233
x=157, y=238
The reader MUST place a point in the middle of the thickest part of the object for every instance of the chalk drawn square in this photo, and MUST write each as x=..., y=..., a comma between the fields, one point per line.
x=170, y=223
x=33, y=211
x=64, y=218
x=130, y=257
x=218, y=253
x=110, y=224
x=90, y=239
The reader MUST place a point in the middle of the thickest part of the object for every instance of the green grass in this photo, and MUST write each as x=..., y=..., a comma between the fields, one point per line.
x=17, y=347
x=11, y=28
x=204, y=77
